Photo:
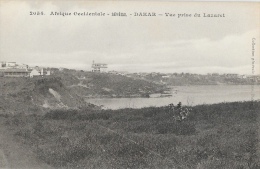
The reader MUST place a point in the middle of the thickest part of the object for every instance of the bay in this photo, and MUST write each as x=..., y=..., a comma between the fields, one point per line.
x=188, y=95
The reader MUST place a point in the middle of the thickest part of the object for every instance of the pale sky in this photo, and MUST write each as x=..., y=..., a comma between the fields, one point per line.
x=135, y=44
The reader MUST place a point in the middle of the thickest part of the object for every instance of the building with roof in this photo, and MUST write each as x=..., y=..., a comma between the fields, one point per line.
x=99, y=67
x=39, y=72
x=13, y=72
x=8, y=65
x=12, y=69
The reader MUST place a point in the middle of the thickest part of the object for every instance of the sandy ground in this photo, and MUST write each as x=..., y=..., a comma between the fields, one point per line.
x=15, y=155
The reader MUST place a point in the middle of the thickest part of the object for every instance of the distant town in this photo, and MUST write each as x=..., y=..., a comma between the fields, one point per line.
x=13, y=69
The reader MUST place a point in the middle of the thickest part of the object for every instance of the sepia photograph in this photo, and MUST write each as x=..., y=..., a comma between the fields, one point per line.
x=129, y=85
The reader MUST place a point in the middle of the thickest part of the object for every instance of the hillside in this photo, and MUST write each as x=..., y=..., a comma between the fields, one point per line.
x=90, y=84
x=49, y=118
x=68, y=89
x=29, y=95
x=180, y=79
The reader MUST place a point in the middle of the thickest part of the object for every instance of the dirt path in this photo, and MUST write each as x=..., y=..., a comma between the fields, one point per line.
x=15, y=155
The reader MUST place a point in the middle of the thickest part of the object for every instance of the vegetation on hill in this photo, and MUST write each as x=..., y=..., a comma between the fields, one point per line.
x=89, y=84
x=213, y=136
x=31, y=95
x=70, y=133
x=67, y=89
x=180, y=79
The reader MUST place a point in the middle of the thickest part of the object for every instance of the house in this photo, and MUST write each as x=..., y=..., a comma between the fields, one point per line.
x=7, y=65
x=2, y=65
x=12, y=69
x=39, y=72
x=11, y=64
x=14, y=72
x=35, y=72
x=99, y=67
x=22, y=66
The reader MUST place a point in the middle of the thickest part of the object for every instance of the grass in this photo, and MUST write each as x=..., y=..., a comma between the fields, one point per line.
x=107, y=85
x=214, y=136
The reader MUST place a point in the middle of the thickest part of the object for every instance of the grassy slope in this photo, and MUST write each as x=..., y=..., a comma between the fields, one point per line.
x=215, y=136
x=16, y=155
x=28, y=95
x=108, y=85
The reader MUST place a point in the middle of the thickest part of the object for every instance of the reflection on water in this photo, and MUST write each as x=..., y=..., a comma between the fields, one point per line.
x=188, y=95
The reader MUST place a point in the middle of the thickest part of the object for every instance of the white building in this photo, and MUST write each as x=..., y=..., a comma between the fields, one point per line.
x=35, y=72
x=10, y=72
x=99, y=67
x=22, y=66
x=12, y=69
x=11, y=64
x=7, y=65
x=39, y=72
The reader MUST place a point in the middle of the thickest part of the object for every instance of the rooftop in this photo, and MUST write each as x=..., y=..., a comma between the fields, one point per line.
x=14, y=70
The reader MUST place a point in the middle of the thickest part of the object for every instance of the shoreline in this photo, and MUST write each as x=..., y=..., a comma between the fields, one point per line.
x=164, y=93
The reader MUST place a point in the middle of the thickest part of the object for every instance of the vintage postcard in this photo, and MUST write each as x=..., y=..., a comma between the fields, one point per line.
x=129, y=84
